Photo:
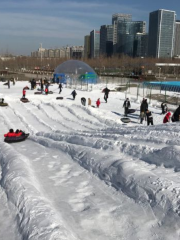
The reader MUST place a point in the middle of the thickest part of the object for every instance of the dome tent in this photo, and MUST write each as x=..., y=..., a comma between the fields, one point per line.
x=74, y=70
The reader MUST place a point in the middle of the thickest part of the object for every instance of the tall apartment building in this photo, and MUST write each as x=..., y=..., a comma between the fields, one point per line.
x=161, y=33
x=177, y=39
x=87, y=46
x=118, y=17
x=63, y=52
x=106, y=40
x=94, y=43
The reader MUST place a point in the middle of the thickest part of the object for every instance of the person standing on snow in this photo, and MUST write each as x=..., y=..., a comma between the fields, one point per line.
x=74, y=94
x=143, y=107
x=9, y=83
x=149, y=117
x=176, y=115
x=164, y=108
x=106, y=94
x=89, y=102
x=167, y=117
x=98, y=103
x=60, y=88
x=126, y=106
x=83, y=101
x=24, y=93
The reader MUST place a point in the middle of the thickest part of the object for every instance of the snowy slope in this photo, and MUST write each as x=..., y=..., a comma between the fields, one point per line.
x=83, y=174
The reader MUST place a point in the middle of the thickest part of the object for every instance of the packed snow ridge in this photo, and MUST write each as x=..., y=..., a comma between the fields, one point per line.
x=84, y=174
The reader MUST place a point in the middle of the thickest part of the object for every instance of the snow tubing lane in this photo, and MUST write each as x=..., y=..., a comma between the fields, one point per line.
x=3, y=104
x=131, y=110
x=59, y=98
x=125, y=120
x=24, y=100
x=16, y=139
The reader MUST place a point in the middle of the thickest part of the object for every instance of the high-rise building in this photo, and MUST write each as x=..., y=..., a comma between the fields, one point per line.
x=140, y=45
x=177, y=39
x=161, y=33
x=94, y=43
x=106, y=40
x=126, y=33
x=87, y=46
x=118, y=17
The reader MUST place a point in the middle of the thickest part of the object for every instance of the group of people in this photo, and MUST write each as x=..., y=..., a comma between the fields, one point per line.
x=146, y=114
x=98, y=102
x=17, y=133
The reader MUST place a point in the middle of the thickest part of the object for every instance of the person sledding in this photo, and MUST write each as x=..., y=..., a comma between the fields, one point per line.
x=17, y=133
x=11, y=133
x=74, y=94
x=17, y=136
x=167, y=117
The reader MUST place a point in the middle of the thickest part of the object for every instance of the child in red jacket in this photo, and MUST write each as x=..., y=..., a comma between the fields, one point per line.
x=167, y=117
x=98, y=102
x=24, y=93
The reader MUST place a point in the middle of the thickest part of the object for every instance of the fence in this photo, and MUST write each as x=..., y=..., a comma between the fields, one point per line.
x=139, y=89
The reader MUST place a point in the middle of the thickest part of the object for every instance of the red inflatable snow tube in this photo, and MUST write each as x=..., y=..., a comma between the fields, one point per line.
x=16, y=139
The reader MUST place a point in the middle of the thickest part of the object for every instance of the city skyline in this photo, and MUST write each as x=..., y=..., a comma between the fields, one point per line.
x=54, y=23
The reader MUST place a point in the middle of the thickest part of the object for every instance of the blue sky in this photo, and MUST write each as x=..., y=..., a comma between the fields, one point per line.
x=24, y=24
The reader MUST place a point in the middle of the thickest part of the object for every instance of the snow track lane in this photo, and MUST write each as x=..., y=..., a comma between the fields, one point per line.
x=56, y=149
x=115, y=171
x=91, y=202
x=59, y=114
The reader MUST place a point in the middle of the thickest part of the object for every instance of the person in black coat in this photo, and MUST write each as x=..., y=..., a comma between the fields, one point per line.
x=74, y=94
x=9, y=83
x=60, y=88
x=83, y=101
x=149, y=117
x=176, y=115
x=126, y=106
x=106, y=94
x=143, y=107
x=164, y=108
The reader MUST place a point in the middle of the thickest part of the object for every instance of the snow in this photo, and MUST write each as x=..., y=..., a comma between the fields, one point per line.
x=82, y=174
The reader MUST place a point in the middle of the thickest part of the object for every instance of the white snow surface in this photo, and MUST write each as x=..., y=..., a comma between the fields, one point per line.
x=82, y=174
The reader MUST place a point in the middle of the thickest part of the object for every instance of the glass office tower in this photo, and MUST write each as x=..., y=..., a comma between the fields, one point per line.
x=118, y=17
x=126, y=33
x=161, y=33
x=106, y=40
x=94, y=43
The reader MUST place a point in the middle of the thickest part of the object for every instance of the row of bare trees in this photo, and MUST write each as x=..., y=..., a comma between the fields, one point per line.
x=103, y=64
